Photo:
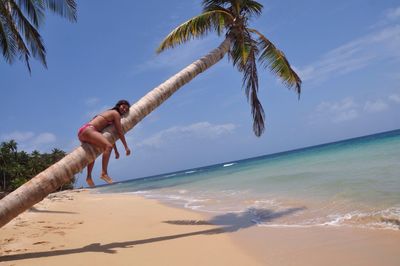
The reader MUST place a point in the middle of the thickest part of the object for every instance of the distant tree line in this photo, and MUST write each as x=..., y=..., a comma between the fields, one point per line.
x=17, y=167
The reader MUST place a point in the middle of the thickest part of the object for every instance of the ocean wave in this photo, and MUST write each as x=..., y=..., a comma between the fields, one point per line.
x=228, y=164
x=384, y=219
x=190, y=172
x=170, y=175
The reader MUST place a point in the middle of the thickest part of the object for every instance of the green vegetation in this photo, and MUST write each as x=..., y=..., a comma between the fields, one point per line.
x=17, y=167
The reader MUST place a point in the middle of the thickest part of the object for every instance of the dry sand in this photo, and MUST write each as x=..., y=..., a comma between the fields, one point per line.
x=82, y=228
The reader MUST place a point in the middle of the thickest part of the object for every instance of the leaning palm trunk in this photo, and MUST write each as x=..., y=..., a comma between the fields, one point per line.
x=61, y=172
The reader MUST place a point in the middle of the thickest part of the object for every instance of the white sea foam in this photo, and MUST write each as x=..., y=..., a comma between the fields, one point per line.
x=228, y=164
x=272, y=212
x=190, y=172
x=140, y=192
x=388, y=219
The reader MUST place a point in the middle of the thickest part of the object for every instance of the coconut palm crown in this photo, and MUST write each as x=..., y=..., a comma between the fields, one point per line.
x=19, y=27
x=247, y=47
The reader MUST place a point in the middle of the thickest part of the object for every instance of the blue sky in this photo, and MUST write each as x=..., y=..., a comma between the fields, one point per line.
x=346, y=52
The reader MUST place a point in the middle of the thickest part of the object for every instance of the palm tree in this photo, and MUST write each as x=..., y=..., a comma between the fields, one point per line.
x=231, y=16
x=19, y=25
x=8, y=156
x=10, y=146
x=244, y=45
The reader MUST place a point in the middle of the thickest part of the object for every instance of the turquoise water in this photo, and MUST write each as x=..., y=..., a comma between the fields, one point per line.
x=354, y=182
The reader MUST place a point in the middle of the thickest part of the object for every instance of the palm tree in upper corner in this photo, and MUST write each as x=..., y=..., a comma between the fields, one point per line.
x=19, y=27
x=245, y=47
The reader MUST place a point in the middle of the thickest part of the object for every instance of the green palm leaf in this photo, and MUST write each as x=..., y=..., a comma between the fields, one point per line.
x=239, y=52
x=15, y=37
x=275, y=60
x=195, y=28
x=243, y=53
x=34, y=9
x=64, y=8
x=19, y=24
x=222, y=3
x=251, y=8
x=250, y=82
x=32, y=36
x=7, y=45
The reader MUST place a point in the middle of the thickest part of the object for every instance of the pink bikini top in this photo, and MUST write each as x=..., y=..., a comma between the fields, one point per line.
x=108, y=121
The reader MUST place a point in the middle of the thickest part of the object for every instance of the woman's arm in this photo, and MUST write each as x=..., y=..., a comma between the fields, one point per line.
x=118, y=127
x=116, y=151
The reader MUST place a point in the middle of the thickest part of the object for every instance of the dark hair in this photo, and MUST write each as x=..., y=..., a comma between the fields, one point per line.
x=119, y=103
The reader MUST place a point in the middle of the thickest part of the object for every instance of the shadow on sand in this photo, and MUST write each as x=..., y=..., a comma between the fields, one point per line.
x=33, y=209
x=230, y=222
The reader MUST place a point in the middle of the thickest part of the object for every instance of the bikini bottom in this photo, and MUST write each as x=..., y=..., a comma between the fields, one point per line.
x=84, y=127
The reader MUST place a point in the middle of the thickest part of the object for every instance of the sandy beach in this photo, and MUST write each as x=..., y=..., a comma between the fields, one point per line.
x=83, y=228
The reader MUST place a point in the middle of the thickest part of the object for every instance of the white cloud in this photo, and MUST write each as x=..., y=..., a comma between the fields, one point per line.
x=348, y=109
x=395, y=98
x=44, y=138
x=388, y=17
x=345, y=116
x=343, y=105
x=337, y=112
x=377, y=46
x=393, y=13
x=201, y=130
x=29, y=141
x=375, y=106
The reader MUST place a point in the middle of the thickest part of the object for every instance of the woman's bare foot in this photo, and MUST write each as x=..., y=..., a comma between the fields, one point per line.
x=90, y=182
x=106, y=178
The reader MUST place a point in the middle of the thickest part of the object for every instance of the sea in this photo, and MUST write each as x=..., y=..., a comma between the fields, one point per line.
x=352, y=183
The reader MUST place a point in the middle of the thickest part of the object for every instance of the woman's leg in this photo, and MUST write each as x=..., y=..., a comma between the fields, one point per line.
x=89, y=179
x=106, y=158
x=94, y=137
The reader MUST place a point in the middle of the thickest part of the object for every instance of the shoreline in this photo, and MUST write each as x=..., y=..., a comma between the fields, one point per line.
x=80, y=227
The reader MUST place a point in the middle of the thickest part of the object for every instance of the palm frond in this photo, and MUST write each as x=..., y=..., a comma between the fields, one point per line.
x=258, y=114
x=249, y=69
x=242, y=43
x=6, y=42
x=32, y=36
x=251, y=8
x=19, y=24
x=64, y=8
x=195, y=28
x=274, y=59
x=16, y=38
x=239, y=53
x=244, y=53
x=220, y=22
x=34, y=9
x=210, y=3
x=250, y=82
